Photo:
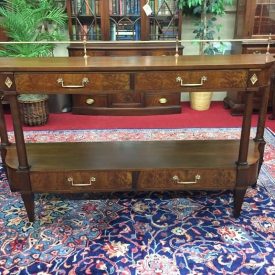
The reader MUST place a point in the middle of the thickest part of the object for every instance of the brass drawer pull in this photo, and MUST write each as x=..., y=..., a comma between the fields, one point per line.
x=177, y=180
x=90, y=101
x=71, y=180
x=85, y=80
x=179, y=79
x=163, y=100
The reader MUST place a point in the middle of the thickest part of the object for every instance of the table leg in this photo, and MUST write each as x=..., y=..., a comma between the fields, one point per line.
x=23, y=170
x=18, y=133
x=272, y=116
x=261, y=125
x=28, y=199
x=239, y=194
x=3, y=133
x=246, y=126
x=242, y=179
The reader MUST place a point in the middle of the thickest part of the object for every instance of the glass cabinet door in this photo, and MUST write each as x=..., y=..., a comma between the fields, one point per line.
x=85, y=19
x=264, y=19
x=164, y=20
x=125, y=20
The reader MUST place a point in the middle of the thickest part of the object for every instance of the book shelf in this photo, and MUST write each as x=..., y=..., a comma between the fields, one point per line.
x=123, y=20
x=129, y=32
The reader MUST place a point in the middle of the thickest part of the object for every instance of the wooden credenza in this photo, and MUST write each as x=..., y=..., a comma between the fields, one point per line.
x=234, y=99
x=134, y=165
x=143, y=102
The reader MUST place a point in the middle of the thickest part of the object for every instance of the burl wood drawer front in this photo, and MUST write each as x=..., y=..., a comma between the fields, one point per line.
x=92, y=181
x=152, y=99
x=72, y=82
x=90, y=101
x=177, y=81
x=125, y=100
x=187, y=179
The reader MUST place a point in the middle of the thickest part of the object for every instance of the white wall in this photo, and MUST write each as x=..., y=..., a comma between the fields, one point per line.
x=227, y=32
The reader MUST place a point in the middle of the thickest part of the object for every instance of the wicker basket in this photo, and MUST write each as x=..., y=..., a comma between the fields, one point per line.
x=34, y=109
x=200, y=101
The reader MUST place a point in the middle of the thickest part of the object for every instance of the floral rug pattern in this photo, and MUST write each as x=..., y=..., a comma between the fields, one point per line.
x=143, y=233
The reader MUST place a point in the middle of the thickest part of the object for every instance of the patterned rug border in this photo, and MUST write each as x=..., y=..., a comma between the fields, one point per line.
x=253, y=129
x=142, y=130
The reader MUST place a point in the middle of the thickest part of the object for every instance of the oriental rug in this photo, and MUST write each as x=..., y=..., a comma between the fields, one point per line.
x=141, y=233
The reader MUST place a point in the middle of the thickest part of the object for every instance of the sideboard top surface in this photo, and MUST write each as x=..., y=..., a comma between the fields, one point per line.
x=134, y=63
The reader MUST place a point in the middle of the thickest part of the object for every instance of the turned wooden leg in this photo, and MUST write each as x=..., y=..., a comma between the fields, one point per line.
x=238, y=201
x=272, y=116
x=3, y=135
x=28, y=199
x=261, y=125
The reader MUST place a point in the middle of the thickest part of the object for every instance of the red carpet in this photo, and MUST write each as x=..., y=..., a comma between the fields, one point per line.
x=216, y=116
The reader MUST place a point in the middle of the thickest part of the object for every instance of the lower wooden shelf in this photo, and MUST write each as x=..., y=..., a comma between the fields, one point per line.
x=131, y=166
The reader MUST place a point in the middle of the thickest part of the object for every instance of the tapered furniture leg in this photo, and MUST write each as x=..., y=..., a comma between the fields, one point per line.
x=3, y=134
x=238, y=201
x=23, y=171
x=261, y=125
x=272, y=116
x=28, y=199
x=243, y=178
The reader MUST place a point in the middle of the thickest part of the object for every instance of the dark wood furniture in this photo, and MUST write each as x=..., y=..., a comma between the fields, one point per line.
x=119, y=20
x=127, y=49
x=134, y=165
x=125, y=21
x=255, y=20
x=144, y=102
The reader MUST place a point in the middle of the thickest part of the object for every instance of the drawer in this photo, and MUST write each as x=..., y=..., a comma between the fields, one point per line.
x=258, y=50
x=191, y=179
x=72, y=82
x=159, y=81
x=152, y=99
x=126, y=100
x=90, y=101
x=78, y=181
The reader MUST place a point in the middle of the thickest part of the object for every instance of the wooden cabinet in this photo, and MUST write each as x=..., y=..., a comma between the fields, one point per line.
x=121, y=28
x=254, y=19
x=119, y=20
x=77, y=167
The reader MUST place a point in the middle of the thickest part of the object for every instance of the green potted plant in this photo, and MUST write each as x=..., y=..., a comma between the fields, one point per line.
x=31, y=21
x=206, y=28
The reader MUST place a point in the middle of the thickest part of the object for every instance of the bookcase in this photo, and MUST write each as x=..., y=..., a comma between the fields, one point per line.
x=129, y=32
x=123, y=20
x=254, y=19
